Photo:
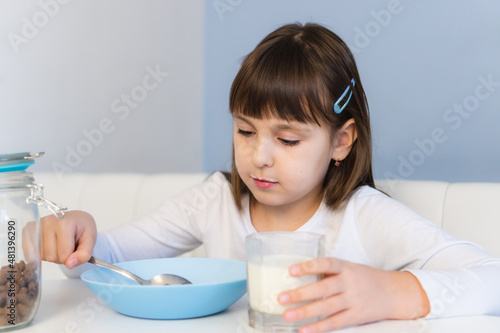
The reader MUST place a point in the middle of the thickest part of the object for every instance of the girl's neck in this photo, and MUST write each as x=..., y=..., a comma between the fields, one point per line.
x=283, y=218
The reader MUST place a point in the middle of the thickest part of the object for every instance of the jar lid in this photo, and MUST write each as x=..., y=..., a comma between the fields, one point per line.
x=17, y=161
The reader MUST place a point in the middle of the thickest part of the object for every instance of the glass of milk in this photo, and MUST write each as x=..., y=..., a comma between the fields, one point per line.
x=269, y=256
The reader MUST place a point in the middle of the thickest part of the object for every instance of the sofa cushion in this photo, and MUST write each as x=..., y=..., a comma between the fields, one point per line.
x=472, y=212
x=425, y=197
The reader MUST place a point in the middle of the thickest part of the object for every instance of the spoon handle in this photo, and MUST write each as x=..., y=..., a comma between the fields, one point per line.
x=117, y=269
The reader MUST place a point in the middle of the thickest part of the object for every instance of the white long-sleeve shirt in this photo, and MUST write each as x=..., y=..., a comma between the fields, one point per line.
x=369, y=228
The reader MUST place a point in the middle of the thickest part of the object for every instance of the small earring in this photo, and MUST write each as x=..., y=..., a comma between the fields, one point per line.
x=337, y=162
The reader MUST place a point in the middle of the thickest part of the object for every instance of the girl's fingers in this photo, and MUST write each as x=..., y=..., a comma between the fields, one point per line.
x=338, y=320
x=69, y=240
x=335, y=307
x=84, y=249
x=49, y=246
x=66, y=240
x=328, y=286
x=318, y=266
x=30, y=241
x=330, y=305
x=323, y=288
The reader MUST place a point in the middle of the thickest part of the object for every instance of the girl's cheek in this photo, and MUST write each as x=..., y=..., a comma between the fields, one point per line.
x=237, y=164
x=238, y=159
x=243, y=150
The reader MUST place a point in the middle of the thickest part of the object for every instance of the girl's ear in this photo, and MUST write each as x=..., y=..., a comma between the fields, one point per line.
x=346, y=137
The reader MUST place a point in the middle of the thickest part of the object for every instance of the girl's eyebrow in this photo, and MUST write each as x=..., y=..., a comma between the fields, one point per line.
x=303, y=128
x=242, y=118
x=285, y=126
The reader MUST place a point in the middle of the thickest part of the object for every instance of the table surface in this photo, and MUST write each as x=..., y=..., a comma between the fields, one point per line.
x=68, y=306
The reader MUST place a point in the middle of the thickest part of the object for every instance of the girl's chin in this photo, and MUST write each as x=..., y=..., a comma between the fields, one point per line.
x=268, y=199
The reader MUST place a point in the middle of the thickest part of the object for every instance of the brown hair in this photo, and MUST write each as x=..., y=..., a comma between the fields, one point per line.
x=297, y=73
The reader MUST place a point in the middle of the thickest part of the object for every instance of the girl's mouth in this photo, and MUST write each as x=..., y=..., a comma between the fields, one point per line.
x=264, y=183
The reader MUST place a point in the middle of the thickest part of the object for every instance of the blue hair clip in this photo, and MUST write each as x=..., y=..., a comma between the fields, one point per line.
x=338, y=109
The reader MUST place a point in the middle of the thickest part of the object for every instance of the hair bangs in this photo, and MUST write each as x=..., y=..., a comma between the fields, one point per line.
x=279, y=84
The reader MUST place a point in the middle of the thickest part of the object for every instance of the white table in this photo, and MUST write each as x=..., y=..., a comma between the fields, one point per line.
x=68, y=306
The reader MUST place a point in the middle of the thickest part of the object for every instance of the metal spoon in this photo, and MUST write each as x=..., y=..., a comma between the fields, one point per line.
x=157, y=280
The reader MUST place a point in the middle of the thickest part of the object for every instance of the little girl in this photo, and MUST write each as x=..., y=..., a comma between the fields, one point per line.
x=302, y=161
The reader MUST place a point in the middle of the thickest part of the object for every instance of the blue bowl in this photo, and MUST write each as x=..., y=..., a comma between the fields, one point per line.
x=217, y=284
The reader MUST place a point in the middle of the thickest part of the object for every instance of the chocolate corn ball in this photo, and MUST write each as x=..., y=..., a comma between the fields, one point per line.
x=23, y=296
x=24, y=311
x=33, y=289
x=20, y=280
x=3, y=275
x=22, y=265
x=30, y=271
x=3, y=318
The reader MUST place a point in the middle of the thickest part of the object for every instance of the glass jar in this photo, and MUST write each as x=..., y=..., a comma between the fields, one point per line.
x=20, y=240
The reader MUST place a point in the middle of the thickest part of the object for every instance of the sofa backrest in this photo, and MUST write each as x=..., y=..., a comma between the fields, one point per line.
x=114, y=198
x=472, y=211
x=466, y=210
x=425, y=197
x=469, y=211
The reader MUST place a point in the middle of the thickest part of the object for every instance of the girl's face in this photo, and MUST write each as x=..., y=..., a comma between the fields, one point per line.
x=282, y=162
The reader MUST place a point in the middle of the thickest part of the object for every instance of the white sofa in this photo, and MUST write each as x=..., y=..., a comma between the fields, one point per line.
x=467, y=210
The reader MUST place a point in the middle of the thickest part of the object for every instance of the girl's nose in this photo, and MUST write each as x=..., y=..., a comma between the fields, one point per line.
x=263, y=155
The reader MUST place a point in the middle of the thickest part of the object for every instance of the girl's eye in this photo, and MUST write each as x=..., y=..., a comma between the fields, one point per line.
x=289, y=142
x=244, y=133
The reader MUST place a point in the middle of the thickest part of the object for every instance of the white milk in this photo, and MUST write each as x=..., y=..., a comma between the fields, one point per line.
x=268, y=279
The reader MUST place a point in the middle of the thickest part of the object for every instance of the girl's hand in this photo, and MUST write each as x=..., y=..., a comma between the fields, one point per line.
x=353, y=294
x=69, y=240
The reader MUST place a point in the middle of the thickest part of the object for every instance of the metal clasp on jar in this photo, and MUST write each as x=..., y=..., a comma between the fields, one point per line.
x=36, y=197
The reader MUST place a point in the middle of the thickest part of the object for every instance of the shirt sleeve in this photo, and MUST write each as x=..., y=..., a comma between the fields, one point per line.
x=459, y=277
x=174, y=228
x=461, y=280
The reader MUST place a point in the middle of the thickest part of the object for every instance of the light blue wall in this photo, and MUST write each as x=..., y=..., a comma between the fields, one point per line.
x=103, y=86
x=418, y=65
x=431, y=71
